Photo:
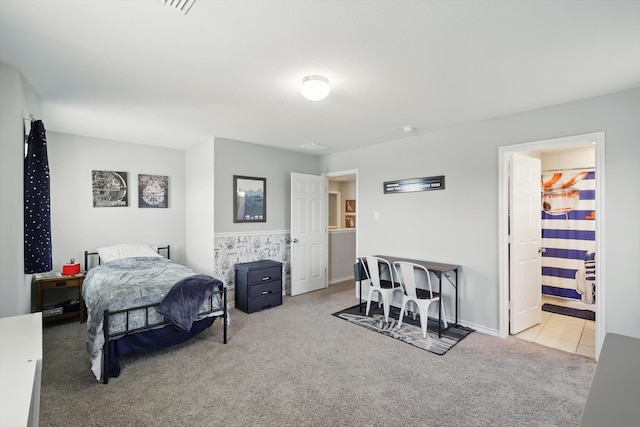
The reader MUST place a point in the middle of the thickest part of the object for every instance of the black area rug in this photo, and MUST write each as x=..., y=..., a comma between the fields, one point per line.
x=568, y=311
x=410, y=331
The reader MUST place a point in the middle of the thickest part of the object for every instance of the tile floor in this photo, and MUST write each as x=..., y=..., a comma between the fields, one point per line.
x=564, y=333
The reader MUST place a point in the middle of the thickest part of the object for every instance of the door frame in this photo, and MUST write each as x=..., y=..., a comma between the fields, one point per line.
x=598, y=139
x=333, y=175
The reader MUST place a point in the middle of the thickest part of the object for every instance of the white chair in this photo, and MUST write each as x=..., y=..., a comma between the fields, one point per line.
x=406, y=273
x=384, y=288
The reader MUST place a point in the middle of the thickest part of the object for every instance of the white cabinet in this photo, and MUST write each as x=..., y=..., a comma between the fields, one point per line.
x=20, y=369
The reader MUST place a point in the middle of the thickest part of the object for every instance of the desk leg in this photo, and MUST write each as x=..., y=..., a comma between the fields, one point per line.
x=456, y=271
x=439, y=306
x=360, y=295
x=455, y=285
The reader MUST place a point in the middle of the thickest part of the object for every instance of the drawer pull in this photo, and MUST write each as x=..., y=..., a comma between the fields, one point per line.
x=266, y=292
x=266, y=278
x=60, y=284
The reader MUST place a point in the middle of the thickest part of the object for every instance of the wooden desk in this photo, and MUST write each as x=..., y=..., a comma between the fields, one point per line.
x=439, y=269
x=613, y=395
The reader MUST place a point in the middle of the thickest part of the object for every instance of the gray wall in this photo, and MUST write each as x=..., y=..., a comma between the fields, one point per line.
x=342, y=249
x=77, y=226
x=460, y=224
x=241, y=158
x=17, y=101
x=199, y=207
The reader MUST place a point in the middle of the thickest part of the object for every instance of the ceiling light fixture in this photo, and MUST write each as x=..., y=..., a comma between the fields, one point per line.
x=408, y=129
x=315, y=88
x=180, y=5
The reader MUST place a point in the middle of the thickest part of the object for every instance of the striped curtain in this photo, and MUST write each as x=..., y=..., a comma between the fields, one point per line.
x=568, y=233
x=37, y=204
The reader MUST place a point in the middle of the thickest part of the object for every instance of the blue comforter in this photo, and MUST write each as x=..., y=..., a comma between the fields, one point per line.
x=182, y=304
x=126, y=283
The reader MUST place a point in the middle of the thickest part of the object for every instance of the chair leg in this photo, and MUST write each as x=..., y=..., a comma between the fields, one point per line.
x=404, y=306
x=371, y=291
x=386, y=304
x=424, y=319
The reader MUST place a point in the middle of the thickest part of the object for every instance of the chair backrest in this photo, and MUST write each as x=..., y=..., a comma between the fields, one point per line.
x=406, y=273
x=372, y=265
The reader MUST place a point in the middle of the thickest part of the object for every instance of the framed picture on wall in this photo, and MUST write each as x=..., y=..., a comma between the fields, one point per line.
x=249, y=199
x=153, y=191
x=350, y=221
x=350, y=206
x=109, y=189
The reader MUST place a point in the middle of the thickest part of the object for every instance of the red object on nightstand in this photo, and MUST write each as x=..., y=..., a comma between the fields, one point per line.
x=70, y=269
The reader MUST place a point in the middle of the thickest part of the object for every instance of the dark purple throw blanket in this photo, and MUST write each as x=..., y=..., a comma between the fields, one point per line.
x=184, y=300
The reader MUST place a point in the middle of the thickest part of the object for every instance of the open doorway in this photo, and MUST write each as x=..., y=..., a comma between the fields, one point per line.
x=342, y=225
x=568, y=149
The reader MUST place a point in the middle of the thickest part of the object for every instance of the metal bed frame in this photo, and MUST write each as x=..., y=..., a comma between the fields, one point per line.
x=148, y=326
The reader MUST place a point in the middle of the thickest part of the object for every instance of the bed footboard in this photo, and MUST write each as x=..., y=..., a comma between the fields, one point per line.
x=211, y=311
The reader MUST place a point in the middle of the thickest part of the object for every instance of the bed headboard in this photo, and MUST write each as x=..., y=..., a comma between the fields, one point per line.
x=92, y=256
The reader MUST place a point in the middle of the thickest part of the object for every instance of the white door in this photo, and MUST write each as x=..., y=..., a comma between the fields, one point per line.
x=525, y=292
x=308, y=233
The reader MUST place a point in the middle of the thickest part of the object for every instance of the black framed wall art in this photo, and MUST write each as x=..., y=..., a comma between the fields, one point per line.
x=153, y=191
x=109, y=189
x=249, y=199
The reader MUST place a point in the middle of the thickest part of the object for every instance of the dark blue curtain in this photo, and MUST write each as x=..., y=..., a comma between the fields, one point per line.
x=37, y=203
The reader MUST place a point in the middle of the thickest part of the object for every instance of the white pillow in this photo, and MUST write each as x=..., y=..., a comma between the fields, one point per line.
x=126, y=250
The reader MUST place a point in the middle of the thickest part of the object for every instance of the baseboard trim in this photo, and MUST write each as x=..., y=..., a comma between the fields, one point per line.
x=340, y=280
x=481, y=329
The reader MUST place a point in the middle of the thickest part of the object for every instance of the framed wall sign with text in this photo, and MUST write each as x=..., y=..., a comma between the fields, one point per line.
x=414, y=184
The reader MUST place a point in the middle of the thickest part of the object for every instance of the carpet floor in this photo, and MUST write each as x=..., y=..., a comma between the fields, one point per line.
x=568, y=311
x=410, y=331
x=296, y=365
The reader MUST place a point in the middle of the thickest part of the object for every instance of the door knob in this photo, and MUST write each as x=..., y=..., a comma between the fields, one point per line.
x=295, y=240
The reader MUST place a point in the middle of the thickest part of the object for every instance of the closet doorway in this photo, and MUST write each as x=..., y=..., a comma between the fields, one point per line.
x=567, y=240
x=343, y=225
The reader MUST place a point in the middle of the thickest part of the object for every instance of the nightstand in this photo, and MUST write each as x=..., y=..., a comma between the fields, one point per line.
x=52, y=285
x=258, y=285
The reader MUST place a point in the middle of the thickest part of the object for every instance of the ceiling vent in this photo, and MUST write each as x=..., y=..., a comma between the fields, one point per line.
x=313, y=147
x=182, y=6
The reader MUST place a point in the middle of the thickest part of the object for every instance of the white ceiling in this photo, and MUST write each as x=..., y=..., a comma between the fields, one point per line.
x=139, y=71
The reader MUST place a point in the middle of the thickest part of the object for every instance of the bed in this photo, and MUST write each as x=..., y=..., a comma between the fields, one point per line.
x=138, y=301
